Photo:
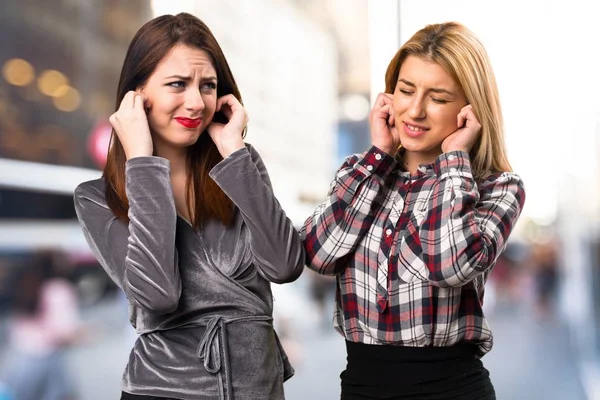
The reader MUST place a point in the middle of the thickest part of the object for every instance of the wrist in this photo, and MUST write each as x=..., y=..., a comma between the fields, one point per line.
x=455, y=148
x=390, y=150
x=137, y=153
x=228, y=150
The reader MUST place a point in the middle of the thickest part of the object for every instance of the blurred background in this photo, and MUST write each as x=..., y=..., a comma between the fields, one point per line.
x=308, y=71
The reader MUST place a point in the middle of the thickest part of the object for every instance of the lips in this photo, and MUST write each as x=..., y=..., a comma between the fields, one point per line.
x=189, y=122
x=414, y=130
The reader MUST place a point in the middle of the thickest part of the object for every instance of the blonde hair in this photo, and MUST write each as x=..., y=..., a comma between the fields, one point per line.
x=456, y=49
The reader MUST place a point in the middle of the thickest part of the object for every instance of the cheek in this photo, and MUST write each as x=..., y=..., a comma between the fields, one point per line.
x=163, y=107
x=210, y=104
x=400, y=104
x=445, y=118
x=159, y=115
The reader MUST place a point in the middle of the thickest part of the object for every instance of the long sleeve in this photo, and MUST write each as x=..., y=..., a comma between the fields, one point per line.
x=275, y=243
x=140, y=257
x=466, y=226
x=337, y=226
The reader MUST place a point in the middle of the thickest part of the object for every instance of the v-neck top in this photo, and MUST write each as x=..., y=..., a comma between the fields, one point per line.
x=200, y=299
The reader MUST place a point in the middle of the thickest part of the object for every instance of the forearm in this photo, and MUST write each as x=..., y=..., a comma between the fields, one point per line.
x=467, y=226
x=151, y=274
x=337, y=226
x=275, y=243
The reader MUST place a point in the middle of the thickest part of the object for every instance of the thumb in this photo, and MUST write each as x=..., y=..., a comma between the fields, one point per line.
x=460, y=120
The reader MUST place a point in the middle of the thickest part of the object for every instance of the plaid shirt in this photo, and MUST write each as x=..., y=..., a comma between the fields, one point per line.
x=412, y=253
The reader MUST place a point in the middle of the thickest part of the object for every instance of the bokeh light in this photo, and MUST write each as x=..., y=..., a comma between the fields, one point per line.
x=18, y=72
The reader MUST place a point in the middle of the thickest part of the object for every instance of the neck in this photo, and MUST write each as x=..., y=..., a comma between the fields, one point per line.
x=412, y=160
x=176, y=156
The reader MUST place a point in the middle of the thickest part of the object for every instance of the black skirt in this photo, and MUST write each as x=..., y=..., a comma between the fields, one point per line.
x=416, y=373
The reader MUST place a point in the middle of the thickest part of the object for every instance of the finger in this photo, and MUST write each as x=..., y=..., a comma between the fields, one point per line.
x=220, y=102
x=229, y=100
x=127, y=101
x=383, y=99
x=460, y=119
x=113, y=119
x=383, y=112
x=471, y=118
x=233, y=109
x=140, y=96
x=392, y=117
x=380, y=100
x=471, y=114
x=226, y=109
x=138, y=102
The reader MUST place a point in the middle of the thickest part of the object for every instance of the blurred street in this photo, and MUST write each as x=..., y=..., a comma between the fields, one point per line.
x=531, y=359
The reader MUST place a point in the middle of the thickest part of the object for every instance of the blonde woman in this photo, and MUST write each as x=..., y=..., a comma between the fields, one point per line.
x=413, y=227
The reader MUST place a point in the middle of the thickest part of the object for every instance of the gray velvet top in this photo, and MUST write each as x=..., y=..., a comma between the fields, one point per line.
x=201, y=300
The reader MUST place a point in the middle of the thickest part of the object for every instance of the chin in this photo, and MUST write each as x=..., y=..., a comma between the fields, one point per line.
x=182, y=142
x=415, y=147
x=410, y=143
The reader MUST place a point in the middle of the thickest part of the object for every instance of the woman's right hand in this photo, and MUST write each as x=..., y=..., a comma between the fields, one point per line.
x=131, y=125
x=384, y=134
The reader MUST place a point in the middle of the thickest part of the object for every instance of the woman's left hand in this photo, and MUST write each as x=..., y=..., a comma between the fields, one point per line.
x=467, y=133
x=228, y=137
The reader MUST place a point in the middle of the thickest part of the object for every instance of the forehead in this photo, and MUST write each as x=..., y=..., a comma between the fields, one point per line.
x=427, y=73
x=186, y=61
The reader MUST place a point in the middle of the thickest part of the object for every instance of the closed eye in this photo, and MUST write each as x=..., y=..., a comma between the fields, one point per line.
x=439, y=101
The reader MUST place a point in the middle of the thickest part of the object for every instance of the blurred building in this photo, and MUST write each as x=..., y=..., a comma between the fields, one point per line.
x=347, y=22
x=60, y=62
x=60, y=71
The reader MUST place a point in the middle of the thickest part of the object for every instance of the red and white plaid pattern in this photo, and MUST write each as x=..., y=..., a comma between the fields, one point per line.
x=412, y=253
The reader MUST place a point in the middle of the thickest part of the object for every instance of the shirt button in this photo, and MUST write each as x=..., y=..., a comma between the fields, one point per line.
x=451, y=157
x=369, y=168
x=388, y=232
x=378, y=157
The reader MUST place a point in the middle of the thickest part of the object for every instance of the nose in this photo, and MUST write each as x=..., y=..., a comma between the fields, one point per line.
x=194, y=102
x=416, y=109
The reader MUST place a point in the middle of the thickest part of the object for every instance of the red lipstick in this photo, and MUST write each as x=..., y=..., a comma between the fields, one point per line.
x=190, y=123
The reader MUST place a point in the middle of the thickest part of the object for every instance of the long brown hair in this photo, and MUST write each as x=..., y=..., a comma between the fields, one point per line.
x=462, y=55
x=205, y=199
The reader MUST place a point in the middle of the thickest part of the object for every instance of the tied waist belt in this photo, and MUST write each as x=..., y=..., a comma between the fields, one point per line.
x=213, y=351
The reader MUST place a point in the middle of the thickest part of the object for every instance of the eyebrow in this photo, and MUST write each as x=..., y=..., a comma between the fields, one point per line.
x=434, y=90
x=187, y=78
